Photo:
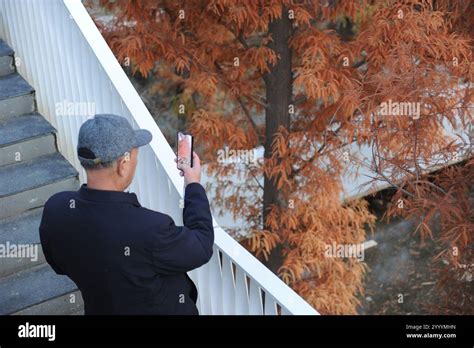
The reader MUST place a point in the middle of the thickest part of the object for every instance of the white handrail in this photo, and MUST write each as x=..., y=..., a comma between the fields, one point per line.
x=65, y=58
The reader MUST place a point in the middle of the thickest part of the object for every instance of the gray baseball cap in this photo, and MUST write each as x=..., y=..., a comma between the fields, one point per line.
x=106, y=137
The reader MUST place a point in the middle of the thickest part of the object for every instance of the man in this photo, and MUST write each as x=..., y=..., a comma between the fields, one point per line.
x=125, y=259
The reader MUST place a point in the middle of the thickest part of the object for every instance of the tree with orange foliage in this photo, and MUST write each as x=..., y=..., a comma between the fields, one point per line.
x=307, y=80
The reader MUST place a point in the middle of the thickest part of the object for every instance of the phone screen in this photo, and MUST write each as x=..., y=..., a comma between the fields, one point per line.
x=185, y=148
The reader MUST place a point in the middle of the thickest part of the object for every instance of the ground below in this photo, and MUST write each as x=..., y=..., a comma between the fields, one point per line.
x=401, y=277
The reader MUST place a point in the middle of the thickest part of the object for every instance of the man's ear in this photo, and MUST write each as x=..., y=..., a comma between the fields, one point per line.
x=123, y=163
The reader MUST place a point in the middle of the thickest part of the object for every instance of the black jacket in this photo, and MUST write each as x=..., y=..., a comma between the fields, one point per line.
x=126, y=259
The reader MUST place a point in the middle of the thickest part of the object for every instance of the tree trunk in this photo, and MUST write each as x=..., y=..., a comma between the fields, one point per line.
x=279, y=83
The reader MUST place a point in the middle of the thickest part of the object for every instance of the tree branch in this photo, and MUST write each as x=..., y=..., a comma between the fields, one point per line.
x=249, y=117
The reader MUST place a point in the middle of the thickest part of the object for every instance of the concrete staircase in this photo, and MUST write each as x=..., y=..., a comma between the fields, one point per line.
x=31, y=170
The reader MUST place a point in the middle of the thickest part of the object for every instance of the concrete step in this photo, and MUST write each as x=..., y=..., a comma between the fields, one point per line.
x=17, y=231
x=69, y=304
x=16, y=96
x=31, y=170
x=6, y=59
x=25, y=137
x=32, y=287
x=29, y=184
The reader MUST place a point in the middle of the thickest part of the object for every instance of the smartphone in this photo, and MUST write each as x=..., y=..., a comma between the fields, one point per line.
x=184, y=143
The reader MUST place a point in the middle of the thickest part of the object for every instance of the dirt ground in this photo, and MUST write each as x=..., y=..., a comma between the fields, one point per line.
x=400, y=279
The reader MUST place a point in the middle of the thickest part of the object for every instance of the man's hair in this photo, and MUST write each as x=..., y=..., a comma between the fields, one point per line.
x=94, y=166
x=103, y=165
